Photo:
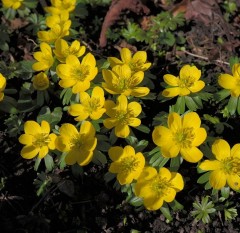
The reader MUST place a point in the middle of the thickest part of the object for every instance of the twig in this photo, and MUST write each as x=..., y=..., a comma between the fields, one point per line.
x=205, y=58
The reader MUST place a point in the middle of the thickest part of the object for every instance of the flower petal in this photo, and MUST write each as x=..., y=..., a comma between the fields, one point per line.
x=177, y=181
x=192, y=154
x=161, y=135
x=171, y=92
x=122, y=131
x=115, y=153
x=174, y=121
x=29, y=151
x=200, y=137
x=209, y=165
x=233, y=181
x=126, y=55
x=191, y=120
x=227, y=81
x=45, y=127
x=134, y=108
x=235, y=151
x=26, y=139
x=43, y=152
x=171, y=80
x=221, y=149
x=32, y=128
x=217, y=179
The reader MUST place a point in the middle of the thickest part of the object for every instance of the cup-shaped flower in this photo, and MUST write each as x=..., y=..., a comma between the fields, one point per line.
x=62, y=49
x=40, y=81
x=137, y=62
x=92, y=107
x=78, y=145
x=121, y=80
x=37, y=140
x=44, y=58
x=226, y=167
x=156, y=187
x=183, y=135
x=231, y=82
x=59, y=6
x=127, y=164
x=59, y=27
x=188, y=82
x=122, y=115
x=2, y=86
x=77, y=75
x=14, y=4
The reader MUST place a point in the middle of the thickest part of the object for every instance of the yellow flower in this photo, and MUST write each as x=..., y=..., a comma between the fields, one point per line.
x=58, y=6
x=187, y=82
x=62, y=49
x=122, y=81
x=182, y=135
x=44, y=58
x=40, y=81
x=15, y=4
x=59, y=27
x=137, y=62
x=226, y=167
x=155, y=188
x=37, y=140
x=126, y=163
x=79, y=146
x=231, y=82
x=2, y=86
x=92, y=107
x=77, y=75
x=122, y=115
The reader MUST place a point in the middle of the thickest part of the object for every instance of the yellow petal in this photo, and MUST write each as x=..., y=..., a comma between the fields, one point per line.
x=134, y=122
x=122, y=131
x=122, y=103
x=170, y=195
x=184, y=91
x=171, y=92
x=129, y=151
x=84, y=98
x=170, y=150
x=221, y=149
x=26, y=139
x=235, y=151
x=124, y=178
x=29, y=152
x=217, y=179
x=45, y=127
x=177, y=181
x=110, y=108
x=140, y=91
x=32, y=128
x=233, y=181
x=78, y=110
x=171, y=80
x=191, y=120
x=80, y=87
x=161, y=135
x=200, y=137
x=123, y=71
x=72, y=61
x=85, y=158
x=148, y=173
x=87, y=129
x=153, y=204
x=115, y=152
x=114, y=61
x=126, y=55
x=71, y=157
x=174, y=121
x=68, y=130
x=192, y=155
x=89, y=59
x=164, y=173
x=190, y=71
x=197, y=86
x=209, y=165
x=134, y=108
x=43, y=152
x=51, y=144
x=227, y=81
x=109, y=123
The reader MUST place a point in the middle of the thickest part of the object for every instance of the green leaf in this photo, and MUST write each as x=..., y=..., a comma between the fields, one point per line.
x=136, y=201
x=40, y=98
x=175, y=163
x=99, y=158
x=166, y=212
x=109, y=176
x=77, y=170
x=143, y=129
x=232, y=105
x=49, y=162
x=179, y=107
x=37, y=163
x=219, y=96
x=190, y=103
x=238, y=106
x=8, y=105
x=225, y=191
x=66, y=96
x=141, y=145
x=175, y=205
x=203, y=178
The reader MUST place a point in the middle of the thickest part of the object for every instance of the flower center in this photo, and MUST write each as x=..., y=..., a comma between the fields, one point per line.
x=93, y=104
x=231, y=165
x=160, y=185
x=129, y=164
x=187, y=81
x=76, y=142
x=41, y=139
x=184, y=137
x=80, y=73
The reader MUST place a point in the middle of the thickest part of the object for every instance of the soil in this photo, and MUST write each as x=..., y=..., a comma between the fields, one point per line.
x=75, y=203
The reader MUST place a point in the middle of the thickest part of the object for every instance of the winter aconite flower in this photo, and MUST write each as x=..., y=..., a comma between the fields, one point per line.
x=187, y=82
x=121, y=80
x=77, y=75
x=14, y=4
x=127, y=164
x=58, y=6
x=156, y=187
x=92, y=107
x=37, y=140
x=122, y=115
x=137, y=62
x=226, y=167
x=59, y=27
x=62, y=49
x=183, y=135
x=78, y=145
x=44, y=58
x=2, y=86
x=41, y=81
x=231, y=82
